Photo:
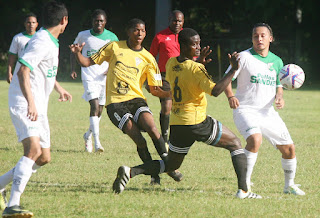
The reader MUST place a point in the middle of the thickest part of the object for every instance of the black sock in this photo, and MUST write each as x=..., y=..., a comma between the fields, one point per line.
x=144, y=154
x=149, y=168
x=240, y=166
x=160, y=145
x=164, y=124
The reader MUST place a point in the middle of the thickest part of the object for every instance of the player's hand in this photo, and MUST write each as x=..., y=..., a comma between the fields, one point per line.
x=279, y=102
x=234, y=60
x=76, y=48
x=74, y=75
x=9, y=78
x=233, y=102
x=65, y=96
x=205, y=52
x=32, y=113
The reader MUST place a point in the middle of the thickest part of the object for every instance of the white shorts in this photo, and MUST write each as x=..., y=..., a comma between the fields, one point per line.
x=26, y=128
x=266, y=122
x=94, y=90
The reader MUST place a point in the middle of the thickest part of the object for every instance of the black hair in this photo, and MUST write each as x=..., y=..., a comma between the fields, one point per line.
x=263, y=25
x=52, y=13
x=30, y=15
x=133, y=22
x=98, y=12
x=185, y=35
x=174, y=12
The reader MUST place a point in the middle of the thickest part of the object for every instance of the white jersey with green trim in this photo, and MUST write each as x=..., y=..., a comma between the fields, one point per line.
x=41, y=56
x=93, y=42
x=257, y=79
x=18, y=43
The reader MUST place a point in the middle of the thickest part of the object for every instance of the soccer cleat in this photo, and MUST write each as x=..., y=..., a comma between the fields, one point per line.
x=3, y=200
x=87, y=143
x=16, y=211
x=294, y=189
x=176, y=175
x=123, y=177
x=242, y=195
x=99, y=148
x=155, y=180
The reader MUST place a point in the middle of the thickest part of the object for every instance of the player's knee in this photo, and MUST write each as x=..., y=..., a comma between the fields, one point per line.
x=234, y=144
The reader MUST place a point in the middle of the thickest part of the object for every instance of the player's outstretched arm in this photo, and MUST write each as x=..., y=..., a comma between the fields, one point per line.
x=279, y=101
x=225, y=81
x=64, y=95
x=158, y=92
x=25, y=86
x=83, y=61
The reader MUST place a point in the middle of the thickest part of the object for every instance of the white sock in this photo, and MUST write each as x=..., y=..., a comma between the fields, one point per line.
x=94, y=126
x=6, y=178
x=251, y=161
x=22, y=174
x=289, y=167
x=35, y=167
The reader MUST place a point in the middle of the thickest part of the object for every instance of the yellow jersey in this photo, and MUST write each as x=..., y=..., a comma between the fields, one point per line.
x=128, y=70
x=189, y=82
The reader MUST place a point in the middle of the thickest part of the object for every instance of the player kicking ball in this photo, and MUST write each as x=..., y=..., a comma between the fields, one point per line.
x=189, y=83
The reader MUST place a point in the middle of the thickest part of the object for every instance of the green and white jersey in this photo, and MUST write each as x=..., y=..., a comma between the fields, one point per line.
x=257, y=79
x=41, y=55
x=18, y=43
x=94, y=42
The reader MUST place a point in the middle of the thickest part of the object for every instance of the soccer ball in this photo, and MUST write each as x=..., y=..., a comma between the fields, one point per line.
x=291, y=76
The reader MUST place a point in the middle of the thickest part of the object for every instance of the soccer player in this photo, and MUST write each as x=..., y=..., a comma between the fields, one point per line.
x=258, y=86
x=129, y=66
x=189, y=83
x=166, y=45
x=19, y=41
x=94, y=77
x=32, y=83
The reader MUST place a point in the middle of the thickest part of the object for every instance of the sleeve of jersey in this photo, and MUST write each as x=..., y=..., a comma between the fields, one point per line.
x=205, y=80
x=34, y=53
x=14, y=46
x=104, y=54
x=153, y=74
x=78, y=39
x=154, y=48
x=279, y=67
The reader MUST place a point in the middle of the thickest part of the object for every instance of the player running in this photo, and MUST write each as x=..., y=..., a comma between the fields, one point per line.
x=32, y=83
x=19, y=41
x=258, y=86
x=189, y=83
x=94, y=77
x=129, y=66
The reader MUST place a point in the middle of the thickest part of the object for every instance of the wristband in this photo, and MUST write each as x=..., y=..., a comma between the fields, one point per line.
x=231, y=97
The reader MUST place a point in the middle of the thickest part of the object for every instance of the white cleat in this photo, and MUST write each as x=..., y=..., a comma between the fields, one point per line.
x=242, y=195
x=87, y=143
x=294, y=189
x=123, y=177
x=99, y=149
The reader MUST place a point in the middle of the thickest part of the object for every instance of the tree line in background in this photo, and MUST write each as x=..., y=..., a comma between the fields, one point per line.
x=225, y=26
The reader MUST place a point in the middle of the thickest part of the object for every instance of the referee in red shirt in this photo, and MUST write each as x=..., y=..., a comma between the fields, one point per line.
x=166, y=45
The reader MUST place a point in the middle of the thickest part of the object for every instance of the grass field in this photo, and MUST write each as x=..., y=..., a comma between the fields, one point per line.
x=79, y=184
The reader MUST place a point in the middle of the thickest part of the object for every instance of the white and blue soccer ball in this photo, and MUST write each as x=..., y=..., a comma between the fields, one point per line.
x=291, y=76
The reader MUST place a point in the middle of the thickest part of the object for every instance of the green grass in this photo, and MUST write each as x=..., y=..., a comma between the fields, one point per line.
x=78, y=184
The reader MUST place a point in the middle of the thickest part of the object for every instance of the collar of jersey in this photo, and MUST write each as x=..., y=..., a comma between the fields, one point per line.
x=54, y=40
x=103, y=35
x=259, y=57
x=26, y=34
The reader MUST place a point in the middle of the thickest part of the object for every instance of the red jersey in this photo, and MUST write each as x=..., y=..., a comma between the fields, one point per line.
x=165, y=43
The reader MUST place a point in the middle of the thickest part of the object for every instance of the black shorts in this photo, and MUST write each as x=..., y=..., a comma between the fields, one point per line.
x=165, y=86
x=120, y=113
x=182, y=137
